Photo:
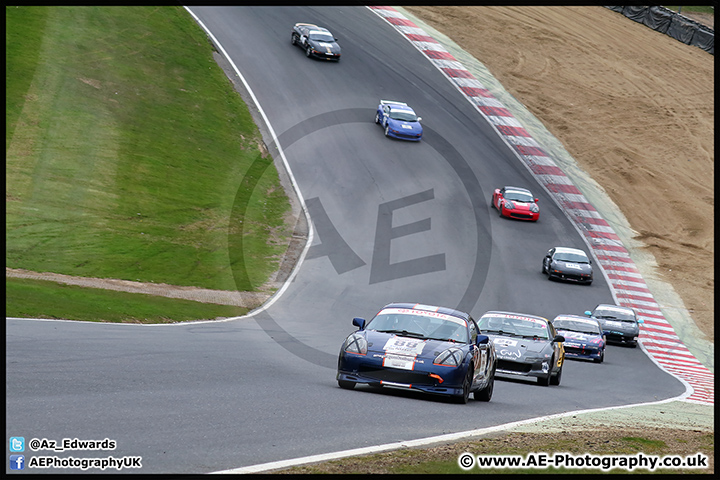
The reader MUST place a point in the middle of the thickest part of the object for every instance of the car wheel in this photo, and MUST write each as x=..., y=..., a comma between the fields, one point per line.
x=485, y=394
x=377, y=118
x=308, y=51
x=555, y=380
x=492, y=202
x=346, y=385
x=500, y=210
x=387, y=131
x=544, y=381
x=465, y=395
x=294, y=39
x=544, y=270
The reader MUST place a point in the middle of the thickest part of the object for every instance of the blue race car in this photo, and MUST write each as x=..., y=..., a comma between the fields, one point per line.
x=432, y=349
x=399, y=120
x=583, y=337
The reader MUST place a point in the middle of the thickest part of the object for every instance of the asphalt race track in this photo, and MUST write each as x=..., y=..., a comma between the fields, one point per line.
x=392, y=221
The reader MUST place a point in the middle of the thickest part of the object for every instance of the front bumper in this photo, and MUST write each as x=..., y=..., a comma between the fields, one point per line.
x=368, y=369
x=536, y=368
x=569, y=277
x=621, y=338
x=324, y=55
x=521, y=214
x=578, y=351
x=413, y=137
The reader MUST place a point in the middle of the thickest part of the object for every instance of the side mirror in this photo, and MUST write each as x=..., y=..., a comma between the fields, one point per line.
x=558, y=338
x=482, y=339
x=640, y=320
x=419, y=118
x=588, y=313
x=359, y=322
x=537, y=200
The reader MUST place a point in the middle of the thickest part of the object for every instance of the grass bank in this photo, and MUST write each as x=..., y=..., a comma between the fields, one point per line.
x=43, y=299
x=611, y=443
x=130, y=156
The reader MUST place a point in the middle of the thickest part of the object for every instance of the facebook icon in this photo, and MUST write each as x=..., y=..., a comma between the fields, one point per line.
x=17, y=462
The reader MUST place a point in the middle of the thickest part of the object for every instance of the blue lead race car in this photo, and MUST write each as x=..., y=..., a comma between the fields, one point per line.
x=411, y=346
x=399, y=120
x=583, y=337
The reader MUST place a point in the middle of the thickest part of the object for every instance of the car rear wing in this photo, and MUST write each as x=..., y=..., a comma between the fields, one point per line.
x=392, y=102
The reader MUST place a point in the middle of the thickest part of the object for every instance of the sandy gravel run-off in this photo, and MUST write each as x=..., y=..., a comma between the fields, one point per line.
x=634, y=108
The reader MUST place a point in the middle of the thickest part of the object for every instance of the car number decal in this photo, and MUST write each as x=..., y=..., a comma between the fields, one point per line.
x=573, y=265
x=612, y=323
x=404, y=346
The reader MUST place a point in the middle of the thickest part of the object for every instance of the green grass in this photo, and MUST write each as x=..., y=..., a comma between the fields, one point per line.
x=79, y=303
x=692, y=9
x=130, y=156
x=444, y=459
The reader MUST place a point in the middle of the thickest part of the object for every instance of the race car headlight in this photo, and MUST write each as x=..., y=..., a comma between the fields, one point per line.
x=508, y=205
x=534, y=208
x=356, y=343
x=452, y=357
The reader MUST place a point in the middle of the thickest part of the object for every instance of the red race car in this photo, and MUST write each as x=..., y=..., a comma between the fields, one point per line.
x=516, y=202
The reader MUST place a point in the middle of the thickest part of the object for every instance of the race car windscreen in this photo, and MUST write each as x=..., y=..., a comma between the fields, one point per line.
x=419, y=326
x=572, y=326
x=613, y=314
x=321, y=37
x=570, y=257
x=403, y=116
x=516, y=196
x=514, y=327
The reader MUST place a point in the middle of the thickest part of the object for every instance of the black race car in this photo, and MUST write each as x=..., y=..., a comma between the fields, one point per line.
x=619, y=324
x=431, y=349
x=569, y=264
x=317, y=41
x=526, y=346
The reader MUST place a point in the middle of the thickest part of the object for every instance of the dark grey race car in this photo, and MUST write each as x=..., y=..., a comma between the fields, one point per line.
x=526, y=346
x=570, y=264
x=317, y=42
x=619, y=324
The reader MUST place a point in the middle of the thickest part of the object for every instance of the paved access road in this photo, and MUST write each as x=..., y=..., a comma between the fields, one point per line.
x=392, y=221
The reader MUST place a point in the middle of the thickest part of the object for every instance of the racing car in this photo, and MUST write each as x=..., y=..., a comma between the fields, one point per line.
x=431, y=349
x=569, y=264
x=526, y=345
x=583, y=337
x=317, y=42
x=516, y=202
x=619, y=324
x=399, y=120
